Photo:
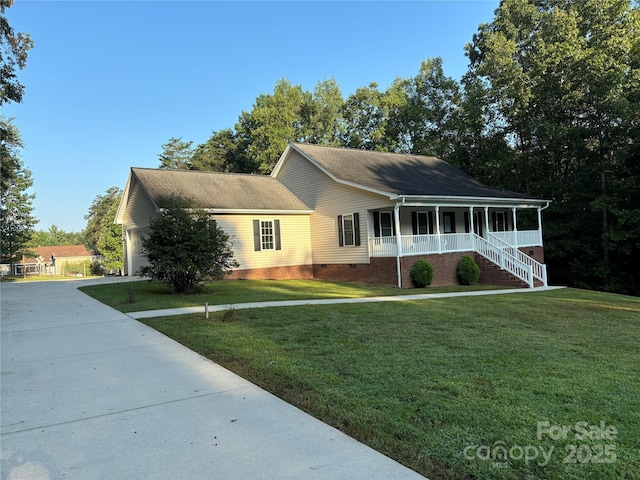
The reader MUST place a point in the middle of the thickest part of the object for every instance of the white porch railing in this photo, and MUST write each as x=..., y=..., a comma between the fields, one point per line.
x=524, y=238
x=539, y=270
x=383, y=247
x=504, y=259
x=494, y=249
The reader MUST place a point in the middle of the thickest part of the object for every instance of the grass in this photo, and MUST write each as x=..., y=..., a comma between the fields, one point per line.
x=155, y=295
x=453, y=388
x=440, y=384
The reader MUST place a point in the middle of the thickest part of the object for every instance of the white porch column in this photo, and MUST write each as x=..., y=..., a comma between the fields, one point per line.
x=472, y=229
x=438, y=229
x=486, y=221
x=515, y=228
x=396, y=220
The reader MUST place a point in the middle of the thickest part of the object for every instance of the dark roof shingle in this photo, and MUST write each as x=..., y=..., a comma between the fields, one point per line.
x=213, y=190
x=400, y=174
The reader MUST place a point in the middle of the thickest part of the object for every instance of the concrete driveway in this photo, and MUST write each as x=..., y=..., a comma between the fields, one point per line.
x=89, y=393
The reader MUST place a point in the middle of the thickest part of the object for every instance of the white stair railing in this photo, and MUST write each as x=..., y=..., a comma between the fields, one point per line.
x=504, y=260
x=539, y=269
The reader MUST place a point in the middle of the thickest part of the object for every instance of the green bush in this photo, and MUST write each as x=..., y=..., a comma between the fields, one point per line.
x=421, y=273
x=468, y=271
x=79, y=267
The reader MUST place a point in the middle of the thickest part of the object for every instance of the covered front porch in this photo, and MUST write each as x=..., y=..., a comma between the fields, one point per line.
x=490, y=230
x=425, y=230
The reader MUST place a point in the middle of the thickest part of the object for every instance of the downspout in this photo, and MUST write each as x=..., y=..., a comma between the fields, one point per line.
x=396, y=219
x=540, y=221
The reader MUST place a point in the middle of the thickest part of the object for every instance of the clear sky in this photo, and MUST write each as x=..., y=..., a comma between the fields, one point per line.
x=108, y=83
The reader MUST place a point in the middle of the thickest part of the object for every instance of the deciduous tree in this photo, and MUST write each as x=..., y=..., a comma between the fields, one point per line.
x=16, y=205
x=100, y=217
x=564, y=78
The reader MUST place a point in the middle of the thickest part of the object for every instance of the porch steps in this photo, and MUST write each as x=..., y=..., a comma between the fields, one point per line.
x=492, y=274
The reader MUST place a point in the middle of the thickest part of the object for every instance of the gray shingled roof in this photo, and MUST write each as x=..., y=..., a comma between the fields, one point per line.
x=212, y=190
x=400, y=174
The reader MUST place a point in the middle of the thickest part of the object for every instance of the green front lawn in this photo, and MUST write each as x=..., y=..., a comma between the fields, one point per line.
x=149, y=295
x=453, y=388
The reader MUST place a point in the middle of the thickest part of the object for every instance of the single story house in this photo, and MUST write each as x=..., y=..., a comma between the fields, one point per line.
x=356, y=215
x=51, y=260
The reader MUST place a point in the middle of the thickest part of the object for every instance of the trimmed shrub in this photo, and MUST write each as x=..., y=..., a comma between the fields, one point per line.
x=421, y=273
x=468, y=271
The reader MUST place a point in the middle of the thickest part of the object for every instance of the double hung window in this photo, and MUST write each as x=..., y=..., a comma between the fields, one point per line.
x=266, y=235
x=349, y=230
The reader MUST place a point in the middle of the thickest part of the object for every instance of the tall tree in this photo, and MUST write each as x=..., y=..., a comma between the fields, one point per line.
x=323, y=113
x=217, y=154
x=98, y=217
x=176, y=154
x=365, y=115
x=109, y=242
x=16, y=203
x=423, y=120
x=275, y=120
x=13, y=56
x=564, y=77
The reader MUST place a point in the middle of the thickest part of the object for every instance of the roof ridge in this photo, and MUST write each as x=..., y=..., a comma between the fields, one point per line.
x=363, y=151
x=171, y=170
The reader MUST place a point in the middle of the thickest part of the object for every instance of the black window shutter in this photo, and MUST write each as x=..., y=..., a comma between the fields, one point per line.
x=356, y=228
x=340, y=237
x=414, y=222
x=494, y=220
x=256, y=235
x=376, y=224
x=276, y=234
x=467, y=225
x=431, y=222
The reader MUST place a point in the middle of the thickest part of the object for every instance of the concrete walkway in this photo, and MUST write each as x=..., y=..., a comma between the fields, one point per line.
x=90, y=393
x=293, y=303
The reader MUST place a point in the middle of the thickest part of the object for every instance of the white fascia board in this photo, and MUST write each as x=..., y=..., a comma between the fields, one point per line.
x=125, y=197
x=391, y=196
x=123, y=202
x=432, y=201
x=281, y=160
x=238, y=211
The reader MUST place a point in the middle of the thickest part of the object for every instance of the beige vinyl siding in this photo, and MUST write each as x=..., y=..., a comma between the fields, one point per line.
x=135, y=258
x=328, y=199
x=139, y=209
x=294, y=237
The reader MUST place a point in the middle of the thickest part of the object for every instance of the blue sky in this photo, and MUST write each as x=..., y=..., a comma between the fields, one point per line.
x=108, y=83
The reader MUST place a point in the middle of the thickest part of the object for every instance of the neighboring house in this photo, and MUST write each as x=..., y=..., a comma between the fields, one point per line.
x=52, y=260
x=354, y=215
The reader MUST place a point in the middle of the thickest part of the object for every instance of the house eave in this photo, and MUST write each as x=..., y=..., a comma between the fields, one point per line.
x=255, y=211
x=462, y=201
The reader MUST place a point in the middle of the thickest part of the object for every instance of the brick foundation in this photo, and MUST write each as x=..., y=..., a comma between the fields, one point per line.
x=538, y=253
x=294, y=272
x=383, y=270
